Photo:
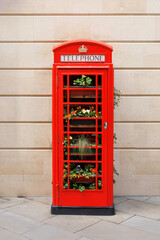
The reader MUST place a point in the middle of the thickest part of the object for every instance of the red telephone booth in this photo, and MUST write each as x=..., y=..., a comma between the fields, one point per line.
x=83, y=93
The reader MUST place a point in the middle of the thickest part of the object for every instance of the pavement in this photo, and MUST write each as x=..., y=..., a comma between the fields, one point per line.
x=23, y=218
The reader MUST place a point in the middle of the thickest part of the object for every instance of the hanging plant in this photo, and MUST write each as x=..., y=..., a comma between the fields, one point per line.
x=117, y=95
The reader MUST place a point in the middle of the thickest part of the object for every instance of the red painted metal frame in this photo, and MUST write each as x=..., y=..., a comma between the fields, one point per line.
x=95, y=198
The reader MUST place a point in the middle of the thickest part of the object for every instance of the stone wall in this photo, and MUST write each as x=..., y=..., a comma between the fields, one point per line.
x=28, y=31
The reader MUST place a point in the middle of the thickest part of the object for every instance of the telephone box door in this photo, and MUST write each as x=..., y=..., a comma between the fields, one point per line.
x=85, y=136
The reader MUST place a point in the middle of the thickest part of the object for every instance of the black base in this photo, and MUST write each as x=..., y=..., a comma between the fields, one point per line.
x=82, y=210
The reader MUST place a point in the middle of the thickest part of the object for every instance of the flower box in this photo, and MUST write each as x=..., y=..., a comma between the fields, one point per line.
x=83, y=179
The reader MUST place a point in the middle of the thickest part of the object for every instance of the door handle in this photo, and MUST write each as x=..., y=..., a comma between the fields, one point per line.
x=105, y=125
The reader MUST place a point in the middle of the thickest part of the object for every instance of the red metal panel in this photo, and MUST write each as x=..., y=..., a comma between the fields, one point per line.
x=94, y=47
x=69, y=197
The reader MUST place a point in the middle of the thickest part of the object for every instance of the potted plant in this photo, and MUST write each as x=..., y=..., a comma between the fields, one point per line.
x=84, y=81
x=82, y=112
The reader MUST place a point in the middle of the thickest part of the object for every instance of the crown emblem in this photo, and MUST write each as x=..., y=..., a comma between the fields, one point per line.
x=82, y=49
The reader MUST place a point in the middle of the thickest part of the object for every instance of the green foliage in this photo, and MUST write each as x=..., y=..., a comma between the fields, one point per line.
x=115, y=172
x=84, y=81
x=81, y=188
x=115, y=138
x=117, y=95
x=92, y=186
x=76, y=171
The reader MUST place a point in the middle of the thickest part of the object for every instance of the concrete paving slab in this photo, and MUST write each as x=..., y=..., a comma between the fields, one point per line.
x=12, y=201
x=47, y=232
x=118, y=217
x=142, y=199
x=2, y=200
x=154, y=200
x=17, y=223
x=35, y=210
x=83, y=238
x=7, y=235
x=2, y=210
x=72, y=223
x=144, y=224
x=140, y=208
x=118, y=200
x=110, y=231
x=45, y=200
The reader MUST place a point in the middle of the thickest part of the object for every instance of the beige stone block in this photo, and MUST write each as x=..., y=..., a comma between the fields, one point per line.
x=124, y=6
x=56, y=28
x=80, y=6
x=138, y=109
x=138, y=164
x=26, y=162
x=39, y=55
x=25, y=135
x=137, y=135
x=139, y=187
x=137, y=82
x=22, y=188
x=138, y=55
x=26, y=82
x=26, y=109
x=153, y=6
x=51, y=7
x=28, y=55
x=139, y=172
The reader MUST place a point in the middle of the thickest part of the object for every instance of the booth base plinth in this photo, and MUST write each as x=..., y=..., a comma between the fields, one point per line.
x=82, y=210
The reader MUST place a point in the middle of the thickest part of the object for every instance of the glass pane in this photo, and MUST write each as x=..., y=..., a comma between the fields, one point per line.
x=65, y=176
x=82, y=125
x=99, y=140
x=99, y=154
x=64, y=95
x=99, y=125
x=99, y=96
x=64, y=81
x=99, y=81
x=82, y=176
x=65, y=111
x=65, y=152
x=82, y=96
x=65, y=145
x=82, y=81
x=99, y=183
x=82, y=154
x=65, y=125
x=99, y=111
x=99, y=169
x=82, y=140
